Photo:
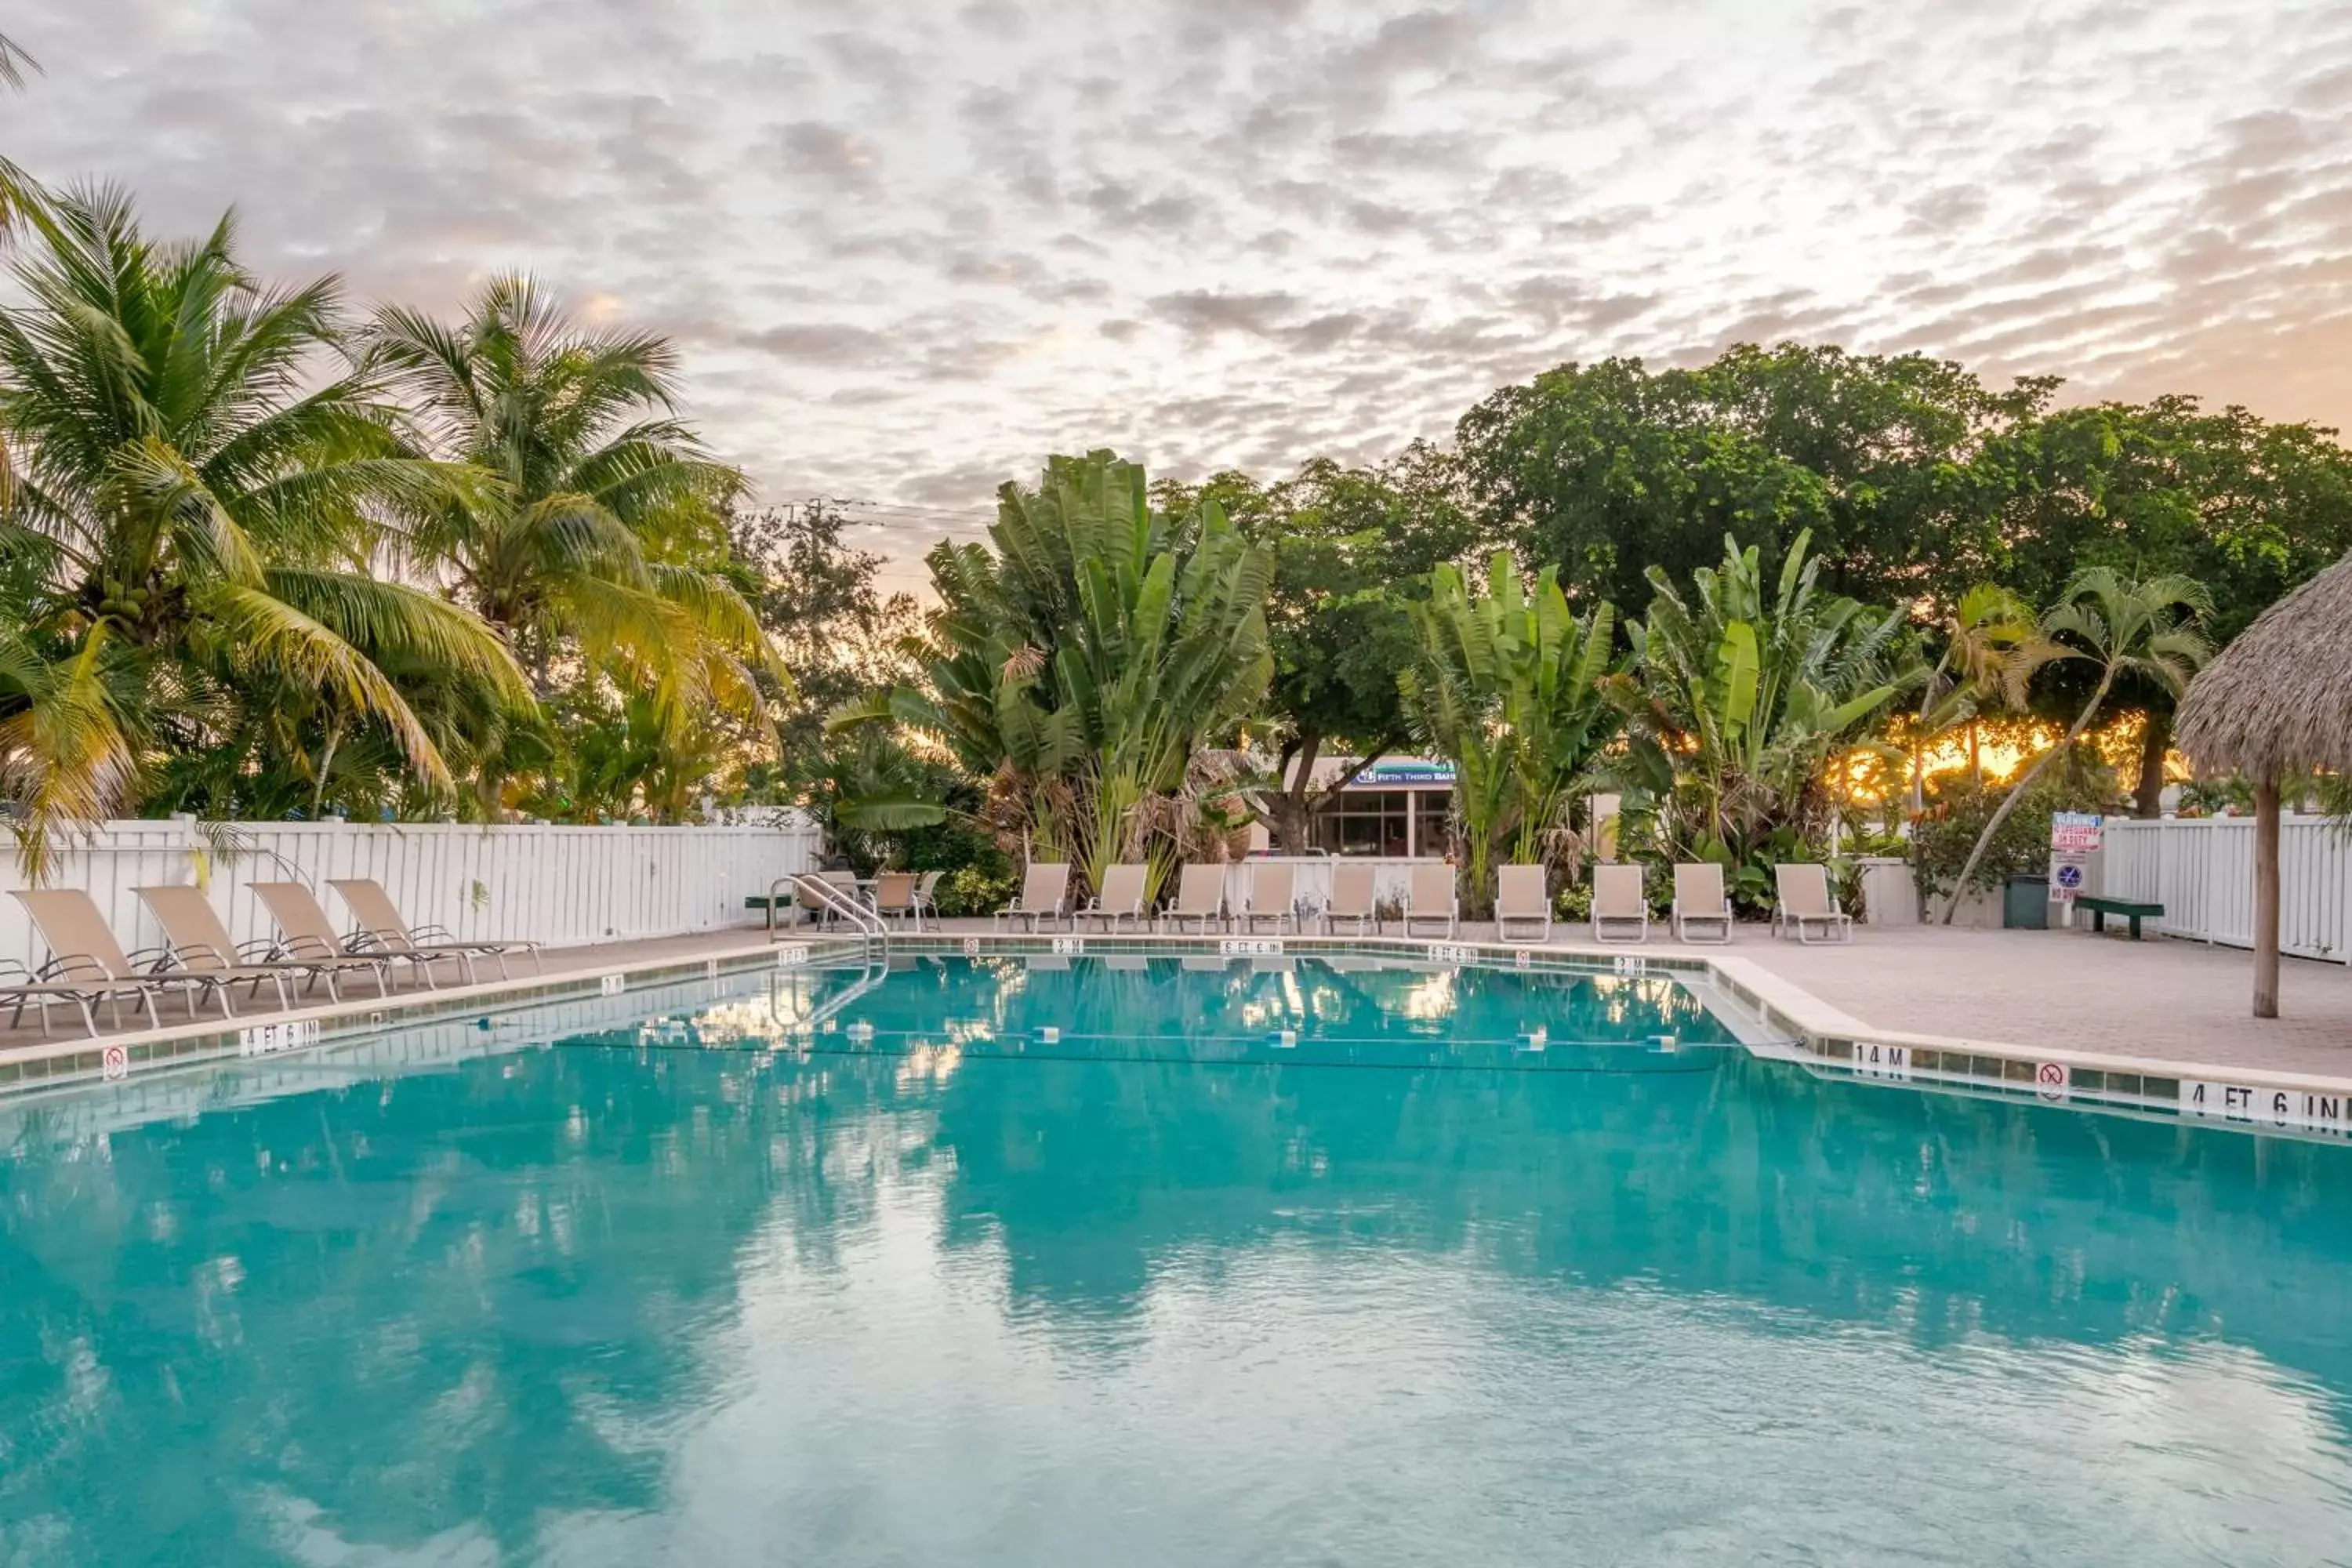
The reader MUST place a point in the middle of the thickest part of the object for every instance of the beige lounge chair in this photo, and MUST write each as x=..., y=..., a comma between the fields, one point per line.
x=380, y=930
x=1352, y=899
x=1121, y=898
x=1520, y=900
x=85, y=956
x=1700, y=902
x=813, y=902
x=927, y=900
x=1618, y=899
x=1429, y=897
x=1806, y=905
x=1200, y=896
x=18, y=986
x=305, y=933
x=893, y=897
x=1272, y=896
x=200, y=944
x=1044, y=896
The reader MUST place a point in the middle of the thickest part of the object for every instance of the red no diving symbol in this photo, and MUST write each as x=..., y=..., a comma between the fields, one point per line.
x=114, y=1062
x=2050, y=1078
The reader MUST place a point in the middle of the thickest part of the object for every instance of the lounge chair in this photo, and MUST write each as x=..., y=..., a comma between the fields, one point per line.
x=1430, y=896
x=85, y=957
x=815, y=904
x=1352, y=899
x=380, y=929
x=1805, y=904
x=1121, y=898
x=927, y=900
x=1618, y=899
x=304, y=933
x=1700, y=902
x=1272, y=896
x=1044, y=896
x=200, y=944
x=18, y=987
x=894, y=896
x=1521, y=899
x=1200, y=896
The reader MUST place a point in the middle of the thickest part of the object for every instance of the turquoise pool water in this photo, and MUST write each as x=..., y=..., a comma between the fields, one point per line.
x=1161, y=1289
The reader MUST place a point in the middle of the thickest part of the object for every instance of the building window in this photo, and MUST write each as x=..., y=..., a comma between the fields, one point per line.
x=1365, y=822
x=1434, y=830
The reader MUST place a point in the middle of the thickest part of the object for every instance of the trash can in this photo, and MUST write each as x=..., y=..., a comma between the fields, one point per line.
x=2025, y=903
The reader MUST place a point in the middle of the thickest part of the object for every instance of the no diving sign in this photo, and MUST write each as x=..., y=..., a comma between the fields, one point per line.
x=2051, y=1080
x=114, y=1064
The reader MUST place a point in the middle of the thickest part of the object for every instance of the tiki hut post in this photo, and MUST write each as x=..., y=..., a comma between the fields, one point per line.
x=2277, y=700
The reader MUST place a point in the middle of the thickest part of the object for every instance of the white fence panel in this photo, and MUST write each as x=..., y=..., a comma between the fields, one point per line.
x=2202, y=872
x=558, y=885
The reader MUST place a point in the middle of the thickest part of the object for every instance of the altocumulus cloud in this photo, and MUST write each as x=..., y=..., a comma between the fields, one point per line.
x=911, y=248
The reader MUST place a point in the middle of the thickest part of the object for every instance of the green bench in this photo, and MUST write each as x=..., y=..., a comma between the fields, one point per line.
x=2127, y=909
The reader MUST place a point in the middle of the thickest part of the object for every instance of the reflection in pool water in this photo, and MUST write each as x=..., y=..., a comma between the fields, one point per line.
x=1168, y=1291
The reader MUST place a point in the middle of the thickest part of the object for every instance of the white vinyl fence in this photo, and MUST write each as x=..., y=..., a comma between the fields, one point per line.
x=551, y=884
x=2202, y=872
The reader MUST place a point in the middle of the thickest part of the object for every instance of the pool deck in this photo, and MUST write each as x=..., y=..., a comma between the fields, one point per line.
x=2161, y=1001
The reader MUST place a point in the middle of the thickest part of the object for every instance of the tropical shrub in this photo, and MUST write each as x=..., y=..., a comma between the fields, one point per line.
x=1743, y=691
x=1507, y=689
x=1083, y=656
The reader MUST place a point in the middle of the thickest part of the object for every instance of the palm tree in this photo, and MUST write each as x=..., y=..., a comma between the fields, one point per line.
x=2120, y=626
x=1992, y=646
x=194, y=513
x=18, y=192
x=589, y=549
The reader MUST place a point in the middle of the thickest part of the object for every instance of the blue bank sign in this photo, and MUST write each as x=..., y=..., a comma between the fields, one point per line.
x=1404, y=770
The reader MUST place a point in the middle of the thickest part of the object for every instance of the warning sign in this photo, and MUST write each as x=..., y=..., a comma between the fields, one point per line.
x=2076, y=832
x=2051, y=1080
x=114, y=1063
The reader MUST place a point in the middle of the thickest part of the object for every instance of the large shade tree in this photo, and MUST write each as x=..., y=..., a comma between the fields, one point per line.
x=1613, y=468
x=190, y=540
x=2243, y=507
x=1352, y=548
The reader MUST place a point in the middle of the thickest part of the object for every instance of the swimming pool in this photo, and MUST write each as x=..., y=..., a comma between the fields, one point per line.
x=1152, y=1262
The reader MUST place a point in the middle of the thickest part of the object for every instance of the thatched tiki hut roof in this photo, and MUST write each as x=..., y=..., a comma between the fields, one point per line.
x=2277, y=700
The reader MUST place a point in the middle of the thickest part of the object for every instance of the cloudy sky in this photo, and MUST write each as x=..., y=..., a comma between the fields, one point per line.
x=911, y=246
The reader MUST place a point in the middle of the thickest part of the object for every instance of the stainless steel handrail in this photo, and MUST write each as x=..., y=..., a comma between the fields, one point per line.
x=870, y=925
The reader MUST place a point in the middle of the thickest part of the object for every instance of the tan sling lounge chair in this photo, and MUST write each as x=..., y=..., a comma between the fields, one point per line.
x=380, y=930
x=1200, y=896
x=84, y=955
x=305, y=933
x=1520, y=900
x=200, y=944
x=1429, y=897
x=1121, y=898
x=1352, y=899
x=893, y=897
x=1272, y=896
x=1806, y=906
x=1044, y=896
x=1702, y=909
x=1618, y=899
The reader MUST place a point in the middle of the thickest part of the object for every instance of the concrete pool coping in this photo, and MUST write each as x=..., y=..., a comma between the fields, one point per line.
x=1799, y=1026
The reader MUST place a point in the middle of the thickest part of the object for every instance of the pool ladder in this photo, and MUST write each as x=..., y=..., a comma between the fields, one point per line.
x=870, y=927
